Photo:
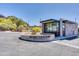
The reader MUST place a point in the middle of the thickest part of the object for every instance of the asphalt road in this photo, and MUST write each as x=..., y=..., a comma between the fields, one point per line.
x=10, y=45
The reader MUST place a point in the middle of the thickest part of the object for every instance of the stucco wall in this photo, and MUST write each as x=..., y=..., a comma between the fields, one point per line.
x=71, y=29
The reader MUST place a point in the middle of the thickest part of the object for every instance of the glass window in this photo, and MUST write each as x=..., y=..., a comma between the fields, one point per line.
x=51, y=27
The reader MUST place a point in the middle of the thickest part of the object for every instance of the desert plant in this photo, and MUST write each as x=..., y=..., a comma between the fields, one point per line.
x=35, y=29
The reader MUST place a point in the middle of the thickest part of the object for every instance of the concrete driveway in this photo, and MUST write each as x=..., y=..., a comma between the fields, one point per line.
x=71, y=43
x=10, y=45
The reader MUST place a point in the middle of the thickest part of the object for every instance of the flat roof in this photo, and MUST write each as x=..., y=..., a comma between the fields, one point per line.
x=68, y=21
x=51, y=20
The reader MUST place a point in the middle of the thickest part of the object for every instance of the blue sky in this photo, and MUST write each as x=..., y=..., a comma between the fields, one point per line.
x=32, y=13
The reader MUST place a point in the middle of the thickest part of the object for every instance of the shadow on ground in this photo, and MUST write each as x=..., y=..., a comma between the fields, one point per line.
x=70, y=38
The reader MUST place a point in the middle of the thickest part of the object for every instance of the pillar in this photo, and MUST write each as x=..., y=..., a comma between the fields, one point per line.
x=61, y=27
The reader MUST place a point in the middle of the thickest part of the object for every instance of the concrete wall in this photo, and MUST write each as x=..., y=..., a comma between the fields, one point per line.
x=38, y=37
x=71, y=29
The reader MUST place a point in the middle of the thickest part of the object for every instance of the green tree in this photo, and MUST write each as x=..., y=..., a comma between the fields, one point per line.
x=36, y=29
x=12, y=23
x=19, y=23
x=6, y=24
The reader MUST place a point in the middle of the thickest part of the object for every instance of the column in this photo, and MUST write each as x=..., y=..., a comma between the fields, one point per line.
x=61, y=27
x=43, y=28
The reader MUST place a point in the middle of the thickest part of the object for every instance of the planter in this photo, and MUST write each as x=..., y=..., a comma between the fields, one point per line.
x=38, y=38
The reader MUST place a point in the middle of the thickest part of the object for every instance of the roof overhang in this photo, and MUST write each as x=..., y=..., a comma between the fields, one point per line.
x=54, y=20
x=49, y=20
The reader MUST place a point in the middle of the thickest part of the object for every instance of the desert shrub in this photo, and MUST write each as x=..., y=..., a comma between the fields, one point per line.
x=36, y=29
x=7, y=25
x=22, y=28
x=12, y=23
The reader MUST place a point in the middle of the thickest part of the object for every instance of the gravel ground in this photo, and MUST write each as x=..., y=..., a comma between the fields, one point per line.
x=10, y=45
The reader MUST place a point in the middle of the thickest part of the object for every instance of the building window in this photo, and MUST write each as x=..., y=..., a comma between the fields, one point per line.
x=51, y=27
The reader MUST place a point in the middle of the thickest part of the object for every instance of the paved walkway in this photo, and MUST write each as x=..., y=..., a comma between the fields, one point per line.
x=10, y=45
x=72, y=43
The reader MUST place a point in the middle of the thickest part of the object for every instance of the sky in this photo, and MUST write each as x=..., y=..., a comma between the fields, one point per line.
x=34, y=12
